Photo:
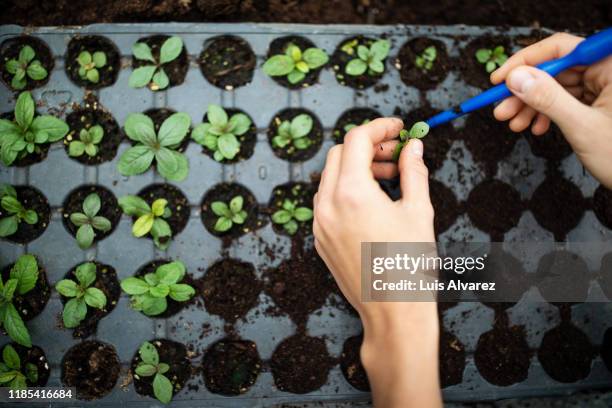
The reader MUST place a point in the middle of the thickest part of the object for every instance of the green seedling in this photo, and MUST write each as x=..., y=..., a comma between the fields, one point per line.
x=25, y=65
x=491, y=58
x=153, y=73
x=148, y=293
x=16, y=212
x=426, y=59
x=12, y=374
x=369, y=59
x=417, y=131
x=88, y=221
x=88, y=143
x=151, y=219
x=22, y=279
x=81, y=294
x=294, y=132
x=229, y=214
x=219, y=134
x=350, y=126
x=89, y=64
x=159, y=146
x=150, y=366
x=295, y=64
x=25, y=134
x=290, y=214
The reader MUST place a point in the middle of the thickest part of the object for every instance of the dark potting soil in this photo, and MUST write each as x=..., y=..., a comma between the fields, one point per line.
x=473, y=72
x=225, y=192
x=300, y=364
x=605, y=278
x=93, y=43
x=31, y=199
x=509, y=276
x=299, y=286
x=606, y=349
x=177, y=203
x=227, y=62
x=279, y=46
x=502, y=355
x=31, y=304
x=557, y=205
x=247, y=140
x=176, y=69
x=230, y=289
x=351, y=366
x=109, y=209
x=437, y=143
x=302, y=194
x=552, y=145
x=172, y=353
x=231, y=367
x=354, y=116
x=421, y=78
x=158, y=116
x=494, y=207
x=290, y=152
x=92, y=367
x=30, y=158
x=340, y=59
x=86, y=116
x=452, y=359
x=173, y=306
x=566, y=353
x=106, y=281
x=34, y=355
x=602, y=205
x=10, y=49
x=446, y=207
x=562, y=277
x=488, y=140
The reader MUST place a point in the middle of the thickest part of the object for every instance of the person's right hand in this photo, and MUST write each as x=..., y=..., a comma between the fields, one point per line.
x=579, y=101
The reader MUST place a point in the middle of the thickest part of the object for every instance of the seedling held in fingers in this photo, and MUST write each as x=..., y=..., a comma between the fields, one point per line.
x=290, y=214
x=25, y=65
x=219, y=134
x=22, y=279
x=88, y=221
x=229, y=214
x=417, y=131
x=150, y=366
x=12, y=374
x=294, y=132
x=153, y=74
x=81, y=294
x=17, y=212
x=88, y=143
x=295, y=64
x=89, y=64
x=426, y=59
x=491, y=58
x=151, y=219
x=369, y=59
x=25, y=134
x=148, y=293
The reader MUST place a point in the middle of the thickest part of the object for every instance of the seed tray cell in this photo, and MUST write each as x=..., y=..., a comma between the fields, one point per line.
x=262, y=99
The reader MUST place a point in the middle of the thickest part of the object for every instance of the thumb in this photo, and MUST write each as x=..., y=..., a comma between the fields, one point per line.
x=543, y=93
x=414, y=176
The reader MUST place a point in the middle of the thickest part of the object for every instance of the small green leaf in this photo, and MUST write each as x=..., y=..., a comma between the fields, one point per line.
x=160, y=80
x=141, y=76
x=31, y=373
x=67, y=288
x=145, y=370
x=380, y=49
x=181, y=170
x=12, y=66
x=281, y=217
x=79, y=219
x=101, y=223
x=170, y=49
x=24, y=110
x=356, y=67
x=483, y=55
x=56, y=128
x=216, y=116
x=295, y=76
x=25, y=271
x=76, y=148
x=93, y=75
x=363, y=52
x=74, y=312
x=85, y=236
x=174, y=129
x=139, y=127
x=11, y=358
x=303, y=214
x=278, y=65
x=162, y=388
x=171, y=272
x=134, y=205
x=220, y=208
x=142, y=51
x=135, y=160
x=99, y=59
x=419, y=130
x=36, y=71
x=301, y=125
x=240, y=123
x=490, y=66
x=86, y=273
x=134, y=286
x=236, y=204
x=181, y=292
x=223, y=224
x=26, y=54
x=163, y=368
x=291, y=227
x=148, y=353
x=228, y=145
x=84, y=58
x=376, y=66
x=315, y=58
x=94, y=297
x=92, y=204
x=143, y=225
x=8, y=226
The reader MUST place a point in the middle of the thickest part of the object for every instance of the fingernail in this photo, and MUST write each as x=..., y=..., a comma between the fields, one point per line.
x=416, y=147
x=521, y=80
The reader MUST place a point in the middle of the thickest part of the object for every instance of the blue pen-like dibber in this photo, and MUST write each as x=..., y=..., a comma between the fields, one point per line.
x=589, y=51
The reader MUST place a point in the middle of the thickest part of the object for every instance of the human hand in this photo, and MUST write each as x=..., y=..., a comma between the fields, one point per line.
x=351, y=208
x=579, y=101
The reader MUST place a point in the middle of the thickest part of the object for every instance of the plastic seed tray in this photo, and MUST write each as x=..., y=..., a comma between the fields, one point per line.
x=262, y=98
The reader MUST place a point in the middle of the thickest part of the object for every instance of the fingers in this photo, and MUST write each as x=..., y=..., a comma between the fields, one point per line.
x=329, y=176
x=384, y=150
x=544, y=94
x=414, y=181
x=523, y=119
x=541, y=125
x=555, y=46
x=508, y=108
x=384, y=170
x=359, y=143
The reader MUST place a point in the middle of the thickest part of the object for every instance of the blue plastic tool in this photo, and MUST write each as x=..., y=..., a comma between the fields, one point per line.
x=589, y=51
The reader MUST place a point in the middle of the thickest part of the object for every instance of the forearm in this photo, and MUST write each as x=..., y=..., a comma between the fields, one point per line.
x=401, y=358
